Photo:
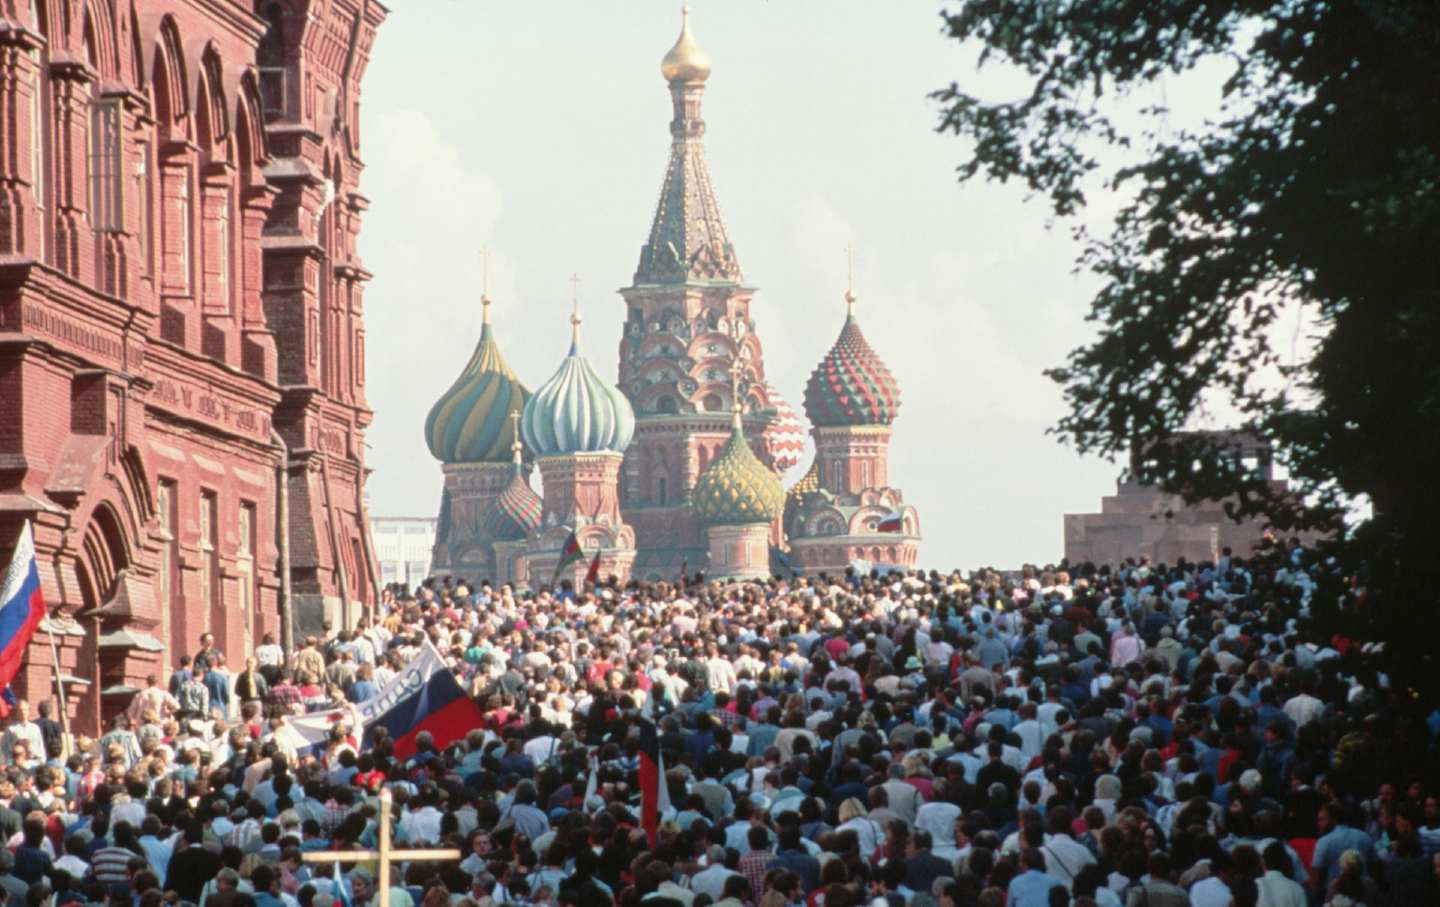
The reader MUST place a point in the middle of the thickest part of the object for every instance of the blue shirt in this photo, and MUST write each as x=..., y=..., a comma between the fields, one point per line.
x=1032, y=889
x=1340, y=839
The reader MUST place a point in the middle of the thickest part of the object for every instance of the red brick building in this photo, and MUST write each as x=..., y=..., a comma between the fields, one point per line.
x=182, y=384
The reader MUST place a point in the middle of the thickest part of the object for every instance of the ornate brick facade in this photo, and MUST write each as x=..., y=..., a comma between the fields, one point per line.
x=181, y=326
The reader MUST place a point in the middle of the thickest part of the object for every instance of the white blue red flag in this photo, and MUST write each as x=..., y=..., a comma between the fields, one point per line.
x=891, y=522
x=22, y=607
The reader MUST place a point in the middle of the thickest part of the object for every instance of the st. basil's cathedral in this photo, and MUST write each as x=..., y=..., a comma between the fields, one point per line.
x=678, y=469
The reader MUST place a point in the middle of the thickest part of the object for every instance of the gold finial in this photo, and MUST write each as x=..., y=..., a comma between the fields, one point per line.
x=685, y=62
x=736, y=407
x=850, y=280
x=485, y=285
x=575, y=308
x=516, y=448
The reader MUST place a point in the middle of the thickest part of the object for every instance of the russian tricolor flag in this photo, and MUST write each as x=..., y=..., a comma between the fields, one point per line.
x=439, y=706
x=891, y=522
x=22, y=607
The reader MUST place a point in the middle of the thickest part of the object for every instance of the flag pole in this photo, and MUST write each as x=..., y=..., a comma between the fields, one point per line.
x=60, y=691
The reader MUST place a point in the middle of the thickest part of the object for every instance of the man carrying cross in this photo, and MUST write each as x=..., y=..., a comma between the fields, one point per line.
x=383, y=856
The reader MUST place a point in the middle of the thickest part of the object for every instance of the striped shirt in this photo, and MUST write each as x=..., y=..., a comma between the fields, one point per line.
x=110, y=865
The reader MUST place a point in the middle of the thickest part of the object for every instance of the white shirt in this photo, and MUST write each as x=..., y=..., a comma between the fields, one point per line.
x=711, y=880
x=1032, y=739
x=541, y=748
x=1065, y=857
x=423, y=825
x=1277, y=890
x=1210, y=892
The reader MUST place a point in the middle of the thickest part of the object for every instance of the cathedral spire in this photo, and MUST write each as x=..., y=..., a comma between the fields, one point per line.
x=687, y=240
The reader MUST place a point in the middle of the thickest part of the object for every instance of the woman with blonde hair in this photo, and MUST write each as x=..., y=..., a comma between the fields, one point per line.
x=869, y=833
x=1108, y=790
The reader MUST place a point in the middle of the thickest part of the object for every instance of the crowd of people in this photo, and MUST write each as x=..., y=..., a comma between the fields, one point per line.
x=1145, y=735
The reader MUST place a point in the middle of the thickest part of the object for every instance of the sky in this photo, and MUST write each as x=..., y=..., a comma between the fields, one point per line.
x=539, y=133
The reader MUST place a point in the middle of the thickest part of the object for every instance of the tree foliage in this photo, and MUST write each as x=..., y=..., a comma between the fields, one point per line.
x=1318, y=183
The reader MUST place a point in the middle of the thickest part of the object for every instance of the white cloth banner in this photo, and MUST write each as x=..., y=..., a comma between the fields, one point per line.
x=308, y=731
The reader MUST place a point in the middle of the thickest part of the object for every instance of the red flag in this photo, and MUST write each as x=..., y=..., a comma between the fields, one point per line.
x=592, y=575
x=654, y=794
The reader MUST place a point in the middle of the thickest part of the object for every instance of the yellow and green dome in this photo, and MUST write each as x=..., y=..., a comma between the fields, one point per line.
x=737, y=488
x=471, y=422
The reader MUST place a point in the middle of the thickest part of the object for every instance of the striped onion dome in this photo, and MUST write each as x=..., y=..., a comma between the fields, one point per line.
x=851, y=385
x=471, y=422
x=785, y=435
x=577, y=411
x=737, y=488
x=516, y=513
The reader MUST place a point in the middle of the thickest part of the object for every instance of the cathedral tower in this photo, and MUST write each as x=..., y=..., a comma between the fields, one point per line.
x=471, y=431
x=578, y=426
x=738, y=498
x=688, y=322
x=835, y=516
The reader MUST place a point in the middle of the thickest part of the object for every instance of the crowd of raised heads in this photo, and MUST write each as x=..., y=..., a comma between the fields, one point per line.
x=1144, y=735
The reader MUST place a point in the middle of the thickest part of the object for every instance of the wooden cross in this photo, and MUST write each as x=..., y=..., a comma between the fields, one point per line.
x=384, y=855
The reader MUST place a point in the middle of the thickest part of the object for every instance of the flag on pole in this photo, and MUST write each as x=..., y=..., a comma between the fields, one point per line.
x=439, y=706
x=592, y=785
x=654, y=795
x=570, y=554
x=891, y=522
x=592, y=575
x=341, y=894
x=22, y=607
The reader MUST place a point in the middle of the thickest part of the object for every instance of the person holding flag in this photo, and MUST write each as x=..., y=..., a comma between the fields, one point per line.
x=22, y=607
x=592, y=575
x=654, y=794
x=570, y=554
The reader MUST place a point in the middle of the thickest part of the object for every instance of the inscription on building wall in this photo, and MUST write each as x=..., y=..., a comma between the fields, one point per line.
x=201, y=404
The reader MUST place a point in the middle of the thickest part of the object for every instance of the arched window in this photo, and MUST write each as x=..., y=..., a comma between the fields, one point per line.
x=103, y=168
x=660, y=498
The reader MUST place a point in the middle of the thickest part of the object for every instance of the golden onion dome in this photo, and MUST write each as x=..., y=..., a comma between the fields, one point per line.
x=685, y=62
x=738, y=488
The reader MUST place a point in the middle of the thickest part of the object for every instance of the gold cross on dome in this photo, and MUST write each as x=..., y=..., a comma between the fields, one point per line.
x=384, y=855
x=736, y=369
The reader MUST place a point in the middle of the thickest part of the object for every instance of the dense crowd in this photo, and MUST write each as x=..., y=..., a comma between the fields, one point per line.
x=1146, y=736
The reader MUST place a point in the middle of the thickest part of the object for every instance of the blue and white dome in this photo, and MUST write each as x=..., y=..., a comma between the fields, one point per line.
x=577, y=411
